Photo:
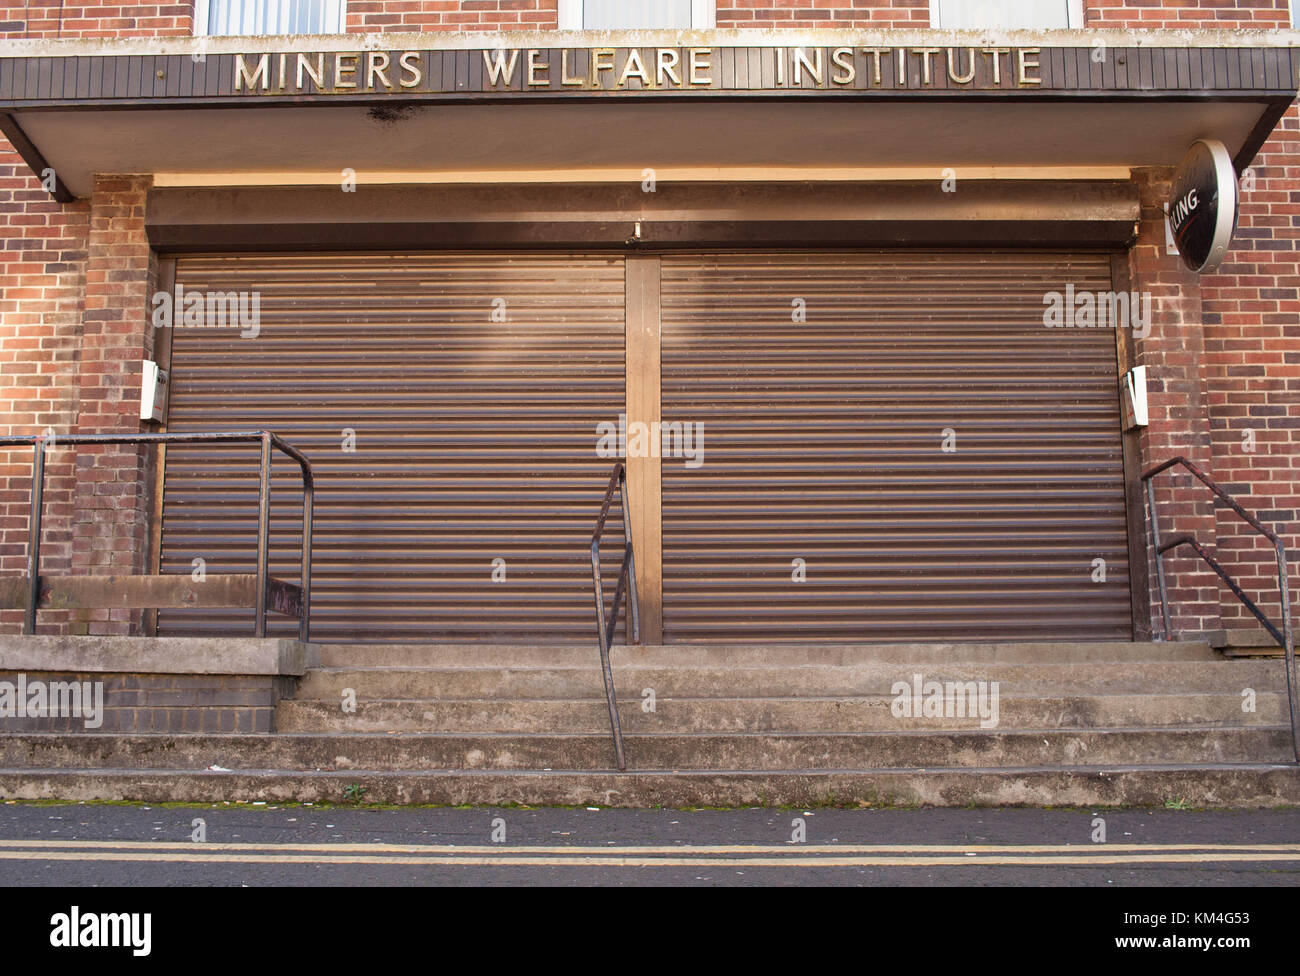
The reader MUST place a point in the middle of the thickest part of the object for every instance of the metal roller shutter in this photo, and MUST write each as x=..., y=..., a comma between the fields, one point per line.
x=475, y=439
x=823, y=443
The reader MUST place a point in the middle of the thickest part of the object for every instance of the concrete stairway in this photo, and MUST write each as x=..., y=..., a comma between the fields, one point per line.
x=1076, y=724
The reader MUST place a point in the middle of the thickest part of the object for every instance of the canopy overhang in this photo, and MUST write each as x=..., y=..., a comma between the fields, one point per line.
x=716, y=105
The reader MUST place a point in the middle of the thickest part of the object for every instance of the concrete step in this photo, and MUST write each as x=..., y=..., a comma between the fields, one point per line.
x=789, y=681
x=755, y=751
x=829, y=714
x=732, y=655
x=1202, y=784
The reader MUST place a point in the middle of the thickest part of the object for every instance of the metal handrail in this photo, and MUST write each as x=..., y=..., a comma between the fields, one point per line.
x=1285, y=637
x=267, y=439
x=626, y=575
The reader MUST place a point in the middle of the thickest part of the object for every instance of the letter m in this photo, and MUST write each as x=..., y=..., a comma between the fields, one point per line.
x=244, y=79
x=117, y=929
x=65, y=698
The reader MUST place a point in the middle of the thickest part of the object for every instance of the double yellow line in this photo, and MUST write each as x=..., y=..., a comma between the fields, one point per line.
x=646, y=856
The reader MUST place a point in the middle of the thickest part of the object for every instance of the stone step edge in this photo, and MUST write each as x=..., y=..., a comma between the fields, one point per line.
x=767, y=699
x=1218, y=785
x=227, y=738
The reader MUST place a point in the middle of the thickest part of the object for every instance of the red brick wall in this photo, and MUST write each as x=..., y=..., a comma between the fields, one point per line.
x=111, y=507
x=1192, y=14
x=42, y=289
x=1250, y=321
x=823, y=13
x=1180, y=410
x=95, y=18
x=433, y=15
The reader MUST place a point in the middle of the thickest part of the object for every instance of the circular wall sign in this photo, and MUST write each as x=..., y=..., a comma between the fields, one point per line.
x=1203, y=205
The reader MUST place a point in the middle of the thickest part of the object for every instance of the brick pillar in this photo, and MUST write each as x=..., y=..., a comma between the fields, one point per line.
x=1174, y=354
x=111, y=521
x=42, y=279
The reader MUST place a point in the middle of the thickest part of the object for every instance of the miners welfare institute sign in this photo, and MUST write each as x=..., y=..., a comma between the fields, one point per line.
x=904, y=72
x=670, y=69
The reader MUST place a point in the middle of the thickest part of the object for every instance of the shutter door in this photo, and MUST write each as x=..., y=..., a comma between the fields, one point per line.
x=475, y=439
x=823, y=444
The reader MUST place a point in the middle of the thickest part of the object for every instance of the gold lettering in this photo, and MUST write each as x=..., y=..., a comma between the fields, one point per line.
x=994, y=52
x=926, y=55
x=901, y=54
x=780, y=66
x=283, y=58
x=408, y=67
x=1024, y=64
x=634, y=58
x=375, y=68
x=874, y=54
x=842, y=57
x=565, y=77
x=814, y=67
x=953, y=76
x=599, y=63
x=698, y=65
x=340, y=70
x=534, y=66
x=243, y=77
x=316, y=74
x=668, y=58
x=498, y=67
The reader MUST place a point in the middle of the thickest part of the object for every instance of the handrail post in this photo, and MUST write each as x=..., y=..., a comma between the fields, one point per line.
x=607, y=672
x=308, y=498
x=263, y=535
x=1160, y=562
x=1288, y=637
x=34, y=536
x=633, y=603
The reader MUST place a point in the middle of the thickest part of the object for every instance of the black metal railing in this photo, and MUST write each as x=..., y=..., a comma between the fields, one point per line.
x=231, y=590
x=626, y=580
x=1284, y=636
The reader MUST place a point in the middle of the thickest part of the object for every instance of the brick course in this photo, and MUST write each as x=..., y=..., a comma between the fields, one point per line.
x=163, y=703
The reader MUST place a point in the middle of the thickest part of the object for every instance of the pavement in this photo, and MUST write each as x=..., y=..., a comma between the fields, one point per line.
x=88, y=845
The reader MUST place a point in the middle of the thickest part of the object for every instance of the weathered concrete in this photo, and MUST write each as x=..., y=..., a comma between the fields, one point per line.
x=663, y=751
x=157, y=655
x=754, y=655
x=846, y=714
x=1254, y=785
x=787, y=681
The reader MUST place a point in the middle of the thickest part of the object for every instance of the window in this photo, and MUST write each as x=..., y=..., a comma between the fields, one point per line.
x=249, y=18
x=635, y=14
x=1029, y=14
x=1295, y=14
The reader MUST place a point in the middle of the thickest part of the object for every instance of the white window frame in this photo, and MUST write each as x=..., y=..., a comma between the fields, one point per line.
x=703, y=14
x=1294, y=10
x=1073, y=15
x=202, y=11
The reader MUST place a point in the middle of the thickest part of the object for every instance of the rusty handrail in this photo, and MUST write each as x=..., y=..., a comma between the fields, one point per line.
x=1285, y=637
x=626, y=575
x=266, y=438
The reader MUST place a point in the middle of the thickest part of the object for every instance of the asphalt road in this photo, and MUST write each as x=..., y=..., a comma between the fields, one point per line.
x=88, y=845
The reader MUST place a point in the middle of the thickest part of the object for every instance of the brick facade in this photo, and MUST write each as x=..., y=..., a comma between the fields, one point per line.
x=823, y=13
x=1224, y=357
x=157, y=702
